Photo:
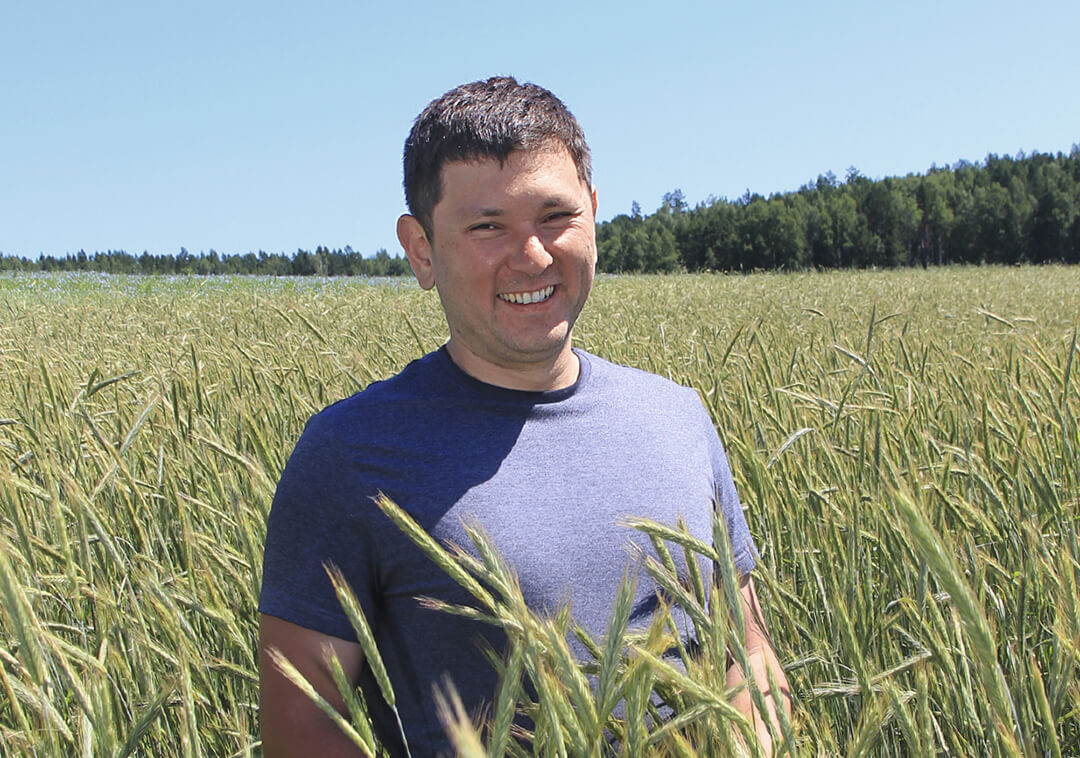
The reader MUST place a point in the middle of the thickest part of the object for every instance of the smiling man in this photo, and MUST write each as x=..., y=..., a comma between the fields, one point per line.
x=508, y=425
x=511, y=248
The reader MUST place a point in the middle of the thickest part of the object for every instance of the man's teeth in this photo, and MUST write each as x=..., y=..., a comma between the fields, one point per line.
x=525, y=298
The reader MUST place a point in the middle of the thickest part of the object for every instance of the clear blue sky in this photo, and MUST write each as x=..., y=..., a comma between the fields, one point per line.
x=241, y=126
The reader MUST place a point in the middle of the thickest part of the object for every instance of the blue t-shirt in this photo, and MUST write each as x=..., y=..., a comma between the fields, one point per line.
x=550, y=476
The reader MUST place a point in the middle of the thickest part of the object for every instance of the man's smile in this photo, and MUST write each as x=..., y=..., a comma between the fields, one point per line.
x=526, y=298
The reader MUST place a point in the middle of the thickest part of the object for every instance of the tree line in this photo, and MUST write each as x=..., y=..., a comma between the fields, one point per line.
x=323, y=262
x=1003, y=210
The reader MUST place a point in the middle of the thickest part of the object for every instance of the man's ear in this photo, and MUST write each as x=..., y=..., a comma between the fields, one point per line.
x=594, y=201
x=411, y=235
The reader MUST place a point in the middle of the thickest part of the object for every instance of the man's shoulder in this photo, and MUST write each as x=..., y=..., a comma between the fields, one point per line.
x=418, y=378
x=620, y=377
x=387, y=411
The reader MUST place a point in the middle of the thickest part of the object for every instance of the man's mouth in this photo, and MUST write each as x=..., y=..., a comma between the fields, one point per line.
x=527, y=298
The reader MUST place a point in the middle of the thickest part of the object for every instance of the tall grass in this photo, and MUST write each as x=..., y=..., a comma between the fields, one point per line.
x=906, y=445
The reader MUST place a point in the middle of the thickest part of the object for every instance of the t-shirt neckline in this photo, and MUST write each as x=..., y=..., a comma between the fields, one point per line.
x=532, y=397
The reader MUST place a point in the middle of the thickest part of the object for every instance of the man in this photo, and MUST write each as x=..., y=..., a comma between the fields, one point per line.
x=507, y=425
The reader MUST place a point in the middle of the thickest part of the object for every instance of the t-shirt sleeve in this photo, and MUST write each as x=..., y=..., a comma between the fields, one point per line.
x=744, y=551
x=314, y=521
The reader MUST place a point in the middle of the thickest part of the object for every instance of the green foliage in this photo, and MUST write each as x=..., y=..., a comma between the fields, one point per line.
x=906, y=444
x=569, y=715
x=323, y=262
x=1005, y=211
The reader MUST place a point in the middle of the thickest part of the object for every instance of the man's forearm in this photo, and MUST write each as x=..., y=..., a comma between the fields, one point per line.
x=762, y=660
x=292, y=725
x=310, y=734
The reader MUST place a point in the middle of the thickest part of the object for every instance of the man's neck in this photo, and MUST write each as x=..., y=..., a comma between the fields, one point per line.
x=556, y=374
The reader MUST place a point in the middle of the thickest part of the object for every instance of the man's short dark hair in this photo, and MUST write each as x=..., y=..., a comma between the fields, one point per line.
x=481, y=120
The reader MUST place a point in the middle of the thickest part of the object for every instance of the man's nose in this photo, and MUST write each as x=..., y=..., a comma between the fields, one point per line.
x=530, y=254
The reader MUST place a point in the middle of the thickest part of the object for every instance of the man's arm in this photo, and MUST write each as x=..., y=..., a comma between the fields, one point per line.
x=291, y=724
x=762, y=658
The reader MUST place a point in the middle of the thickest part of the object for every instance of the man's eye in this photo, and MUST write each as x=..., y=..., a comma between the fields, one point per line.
x=481, y=227
x=561, y=215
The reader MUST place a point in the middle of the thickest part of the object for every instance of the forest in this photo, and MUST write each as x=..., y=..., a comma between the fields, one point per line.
x=1003, y=210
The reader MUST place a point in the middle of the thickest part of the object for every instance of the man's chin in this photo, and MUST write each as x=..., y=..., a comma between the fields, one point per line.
x=541, y=349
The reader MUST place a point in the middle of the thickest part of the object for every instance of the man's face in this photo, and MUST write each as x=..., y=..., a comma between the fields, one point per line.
x=512, y=255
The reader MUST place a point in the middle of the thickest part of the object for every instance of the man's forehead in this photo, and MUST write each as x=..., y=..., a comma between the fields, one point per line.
x=463, y=184
x=547, y=147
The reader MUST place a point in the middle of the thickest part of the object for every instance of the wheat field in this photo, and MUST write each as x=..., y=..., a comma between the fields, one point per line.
x=905, y=444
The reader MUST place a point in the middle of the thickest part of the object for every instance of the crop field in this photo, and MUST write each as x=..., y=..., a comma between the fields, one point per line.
x=905, y=443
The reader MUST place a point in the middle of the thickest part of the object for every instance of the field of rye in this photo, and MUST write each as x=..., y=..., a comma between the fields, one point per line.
x=905, y=443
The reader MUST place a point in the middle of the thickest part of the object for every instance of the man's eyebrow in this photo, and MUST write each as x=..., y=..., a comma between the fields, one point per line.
x=555, y=201
x=559, y=201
